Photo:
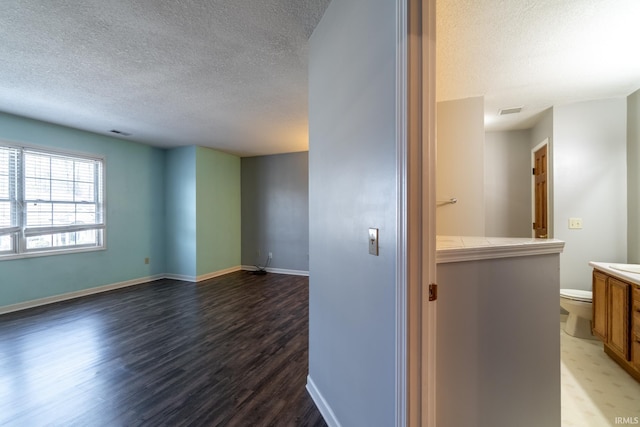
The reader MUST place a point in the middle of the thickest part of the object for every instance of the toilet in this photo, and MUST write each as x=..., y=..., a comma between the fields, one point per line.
x=578, y=303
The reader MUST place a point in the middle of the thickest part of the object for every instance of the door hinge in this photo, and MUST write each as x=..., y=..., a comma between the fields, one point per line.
x=534, y=225
x=533, y=171
x=433, y=292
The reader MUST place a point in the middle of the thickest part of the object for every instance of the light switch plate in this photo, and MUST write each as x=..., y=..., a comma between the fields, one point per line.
x=373, y=241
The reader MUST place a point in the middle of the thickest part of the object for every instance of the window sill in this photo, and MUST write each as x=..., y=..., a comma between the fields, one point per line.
x=43, y=253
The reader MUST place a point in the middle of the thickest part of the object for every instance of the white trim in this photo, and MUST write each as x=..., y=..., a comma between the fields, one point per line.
x=322, y=405
x=20, y=240
x=105, y=288
x=402, y=213
x=9, y=230
x=42, y=253
x=53, y=150
x=419, y=246
x=218, y=273
x=277, y=270
x=528, y=247
x=181, y=277
x=429, y=160
x=57, y=229
x=203, y=277
x=77, y=294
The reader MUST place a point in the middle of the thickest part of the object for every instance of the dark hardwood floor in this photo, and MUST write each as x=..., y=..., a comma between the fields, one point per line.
x=230, y=351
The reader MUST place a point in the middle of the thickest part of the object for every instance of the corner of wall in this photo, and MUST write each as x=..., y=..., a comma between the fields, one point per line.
x=321, y=403
x=633, y=177
x=217, y=211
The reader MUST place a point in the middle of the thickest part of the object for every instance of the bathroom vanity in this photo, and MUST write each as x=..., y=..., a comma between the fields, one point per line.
x=616, y=312
x=498, y=341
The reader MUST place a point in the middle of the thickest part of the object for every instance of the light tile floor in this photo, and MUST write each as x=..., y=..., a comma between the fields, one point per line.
x=596, y=392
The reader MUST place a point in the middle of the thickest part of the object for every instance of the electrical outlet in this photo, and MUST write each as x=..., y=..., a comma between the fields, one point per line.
x=270, y=255
x=575, y=223
x=146, y=260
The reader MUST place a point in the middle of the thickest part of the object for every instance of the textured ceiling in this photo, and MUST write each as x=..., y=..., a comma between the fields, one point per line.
x=536, y=53
x=228, y=74
x=232, y=74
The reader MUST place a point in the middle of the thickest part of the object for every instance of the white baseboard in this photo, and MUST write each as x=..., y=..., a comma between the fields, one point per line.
x=218, y=273
x=180, y=277
x=203, y=276
x=99, y=289
x=77, y=294
x=321, y=404
x=277, y=270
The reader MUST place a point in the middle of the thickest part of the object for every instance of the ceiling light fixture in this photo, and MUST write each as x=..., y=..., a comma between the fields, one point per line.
x=512, y=110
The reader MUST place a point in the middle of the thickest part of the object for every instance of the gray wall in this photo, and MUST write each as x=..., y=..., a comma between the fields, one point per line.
x=498, y=364
x=460, y=174
x=590, y=182
x=507, y=184
x=633, y=177
x=353, y=186
x=275, y=210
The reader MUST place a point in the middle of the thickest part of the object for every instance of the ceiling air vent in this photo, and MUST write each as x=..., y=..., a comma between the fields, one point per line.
x=119, y=132
x=506, y=111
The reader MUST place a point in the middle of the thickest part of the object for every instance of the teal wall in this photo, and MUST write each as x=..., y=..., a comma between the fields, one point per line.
x=218, y=213
x=181, y=211
x=203, y=211
x=179, y=207
x=135, y=183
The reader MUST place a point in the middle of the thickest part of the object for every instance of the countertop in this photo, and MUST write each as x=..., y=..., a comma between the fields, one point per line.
x=624, y=275
x=470, y=248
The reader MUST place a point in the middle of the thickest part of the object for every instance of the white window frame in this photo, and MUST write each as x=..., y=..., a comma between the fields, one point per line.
x=20, y=232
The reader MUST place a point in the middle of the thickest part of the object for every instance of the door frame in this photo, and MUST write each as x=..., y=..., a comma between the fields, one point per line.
x=416, y=331
x=533, y=187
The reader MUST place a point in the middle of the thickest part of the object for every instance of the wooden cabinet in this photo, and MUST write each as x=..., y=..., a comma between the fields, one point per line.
x=599, y=324
x=616, y=319
x=635, y=328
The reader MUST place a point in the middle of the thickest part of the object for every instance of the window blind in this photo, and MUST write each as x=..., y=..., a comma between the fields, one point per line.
x=49, y=201
x=8, y=199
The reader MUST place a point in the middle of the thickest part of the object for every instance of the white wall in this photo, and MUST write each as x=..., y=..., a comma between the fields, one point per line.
x=633, y=179
x=507, y=183
x=353, y=186
x=460, y=174
x=590, y=182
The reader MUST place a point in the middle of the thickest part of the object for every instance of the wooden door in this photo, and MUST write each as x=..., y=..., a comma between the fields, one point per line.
x=599, y=324
x=618, y=317
x=540, y=193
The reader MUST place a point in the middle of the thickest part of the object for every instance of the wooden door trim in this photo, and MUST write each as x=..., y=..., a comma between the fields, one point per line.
x=533, y=186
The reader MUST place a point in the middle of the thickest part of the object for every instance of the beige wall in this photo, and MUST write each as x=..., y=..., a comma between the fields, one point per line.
x=460, y=174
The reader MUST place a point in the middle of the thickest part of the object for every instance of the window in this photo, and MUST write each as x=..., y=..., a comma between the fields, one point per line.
x=49, y=202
